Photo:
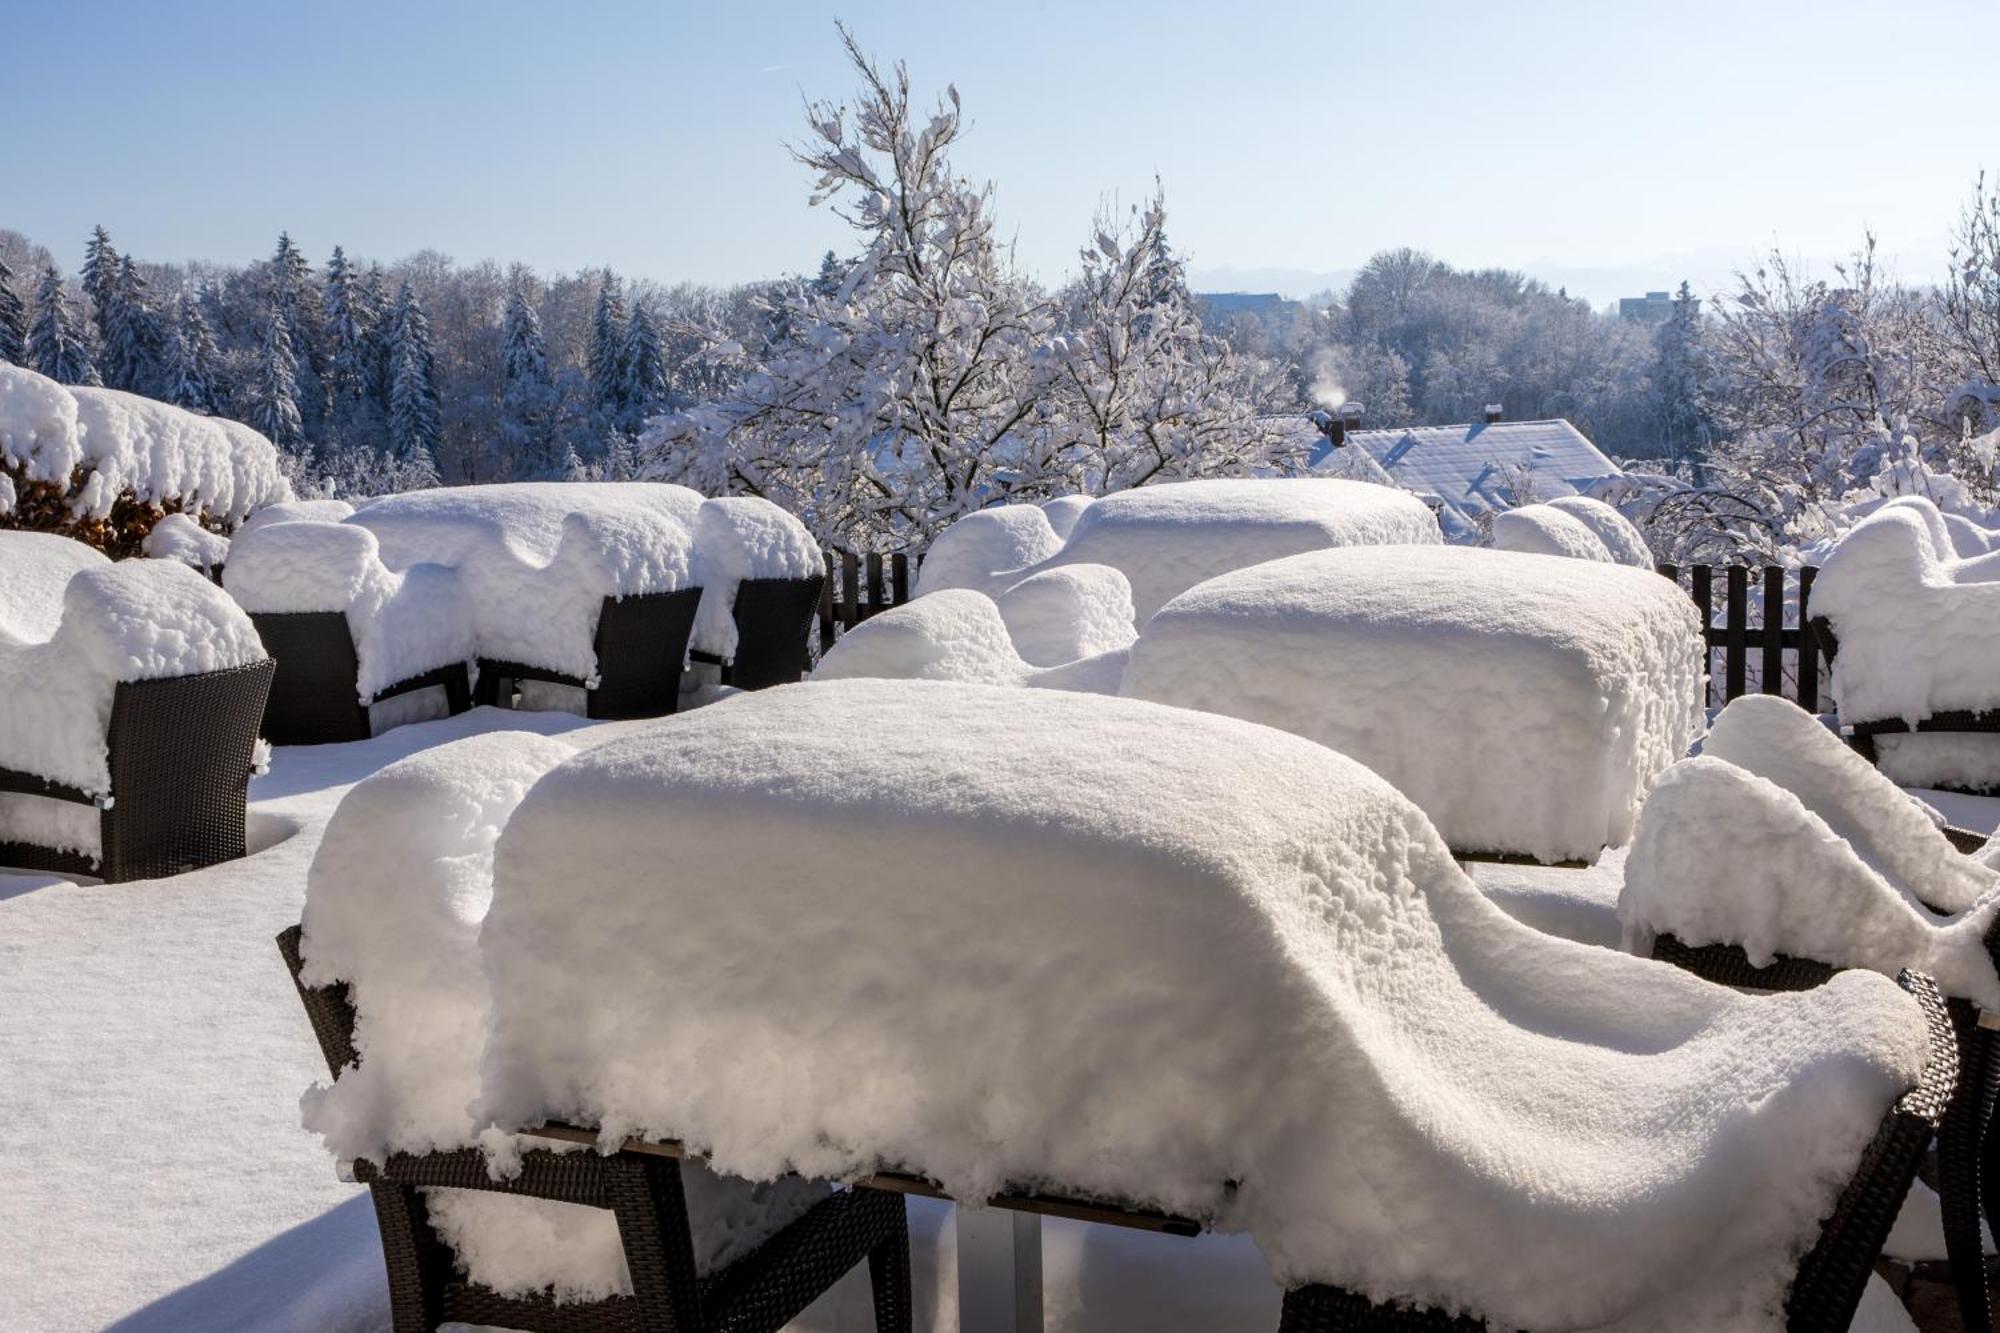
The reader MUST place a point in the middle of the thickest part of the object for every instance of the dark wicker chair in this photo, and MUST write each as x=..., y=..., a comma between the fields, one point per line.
x=642, y=648
x=1968, y=1150
x=760, y=1292
x=181, y=753
x=1861, y=733
x=774, y=624
x=314, y=700
x=1830, y=1277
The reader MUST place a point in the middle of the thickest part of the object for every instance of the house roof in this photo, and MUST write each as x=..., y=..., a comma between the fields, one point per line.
x=1475, y=468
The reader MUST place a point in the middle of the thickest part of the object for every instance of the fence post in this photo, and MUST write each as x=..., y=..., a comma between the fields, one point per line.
x=1774, y=631
x=1736, y=641
x=899, y=579
x=875, y=603
x=1702, y=578
x=850, y=590
x=1808, y=644
x=826, y=608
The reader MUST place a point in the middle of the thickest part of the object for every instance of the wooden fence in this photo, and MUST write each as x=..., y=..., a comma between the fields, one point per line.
x=858, y=587
x=1762, y=640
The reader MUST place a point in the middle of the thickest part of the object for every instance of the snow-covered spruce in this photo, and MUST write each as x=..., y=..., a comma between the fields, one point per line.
x=559, y=548
x=1155, y=966
x=1165, y=538
x=126, y=444
x=738, y=538
x=1545, y=530
x=1523, y=701
x=393, y=908
x=1780, y=840
x=178, y=537
x=403, y=623
x=72, y=626
x=1919, y=631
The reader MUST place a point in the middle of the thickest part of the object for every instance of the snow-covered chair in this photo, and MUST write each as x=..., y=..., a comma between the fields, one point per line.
x=1780, y=857
x=580, y=585
x=478, y=1228
x=297, y=511
x=129, y=701
x=1524, y=702
x=178, y=537
x=1912, y=634
x=957, y=635
x=1575, y=526
x=1168, y=962
x=348, y=634
x=761, y=575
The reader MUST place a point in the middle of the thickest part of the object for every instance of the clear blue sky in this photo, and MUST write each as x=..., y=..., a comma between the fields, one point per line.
x=1555, y=136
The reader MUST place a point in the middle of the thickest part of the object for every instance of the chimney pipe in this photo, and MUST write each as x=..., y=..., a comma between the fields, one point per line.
x=1494, y=411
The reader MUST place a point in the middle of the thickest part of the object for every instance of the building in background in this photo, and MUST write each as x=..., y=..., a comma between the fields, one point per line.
x=1652, y=308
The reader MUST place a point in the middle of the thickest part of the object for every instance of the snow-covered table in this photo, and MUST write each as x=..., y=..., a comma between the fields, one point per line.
x=1015, y=940
x=1524, y=702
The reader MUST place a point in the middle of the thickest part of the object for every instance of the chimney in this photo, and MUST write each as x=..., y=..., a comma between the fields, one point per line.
x=1350, y=417
x=1494, y=411
x=1335, y=423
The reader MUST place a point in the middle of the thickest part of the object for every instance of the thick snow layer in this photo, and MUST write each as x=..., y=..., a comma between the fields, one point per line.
x=1153, y=969
x=1623, y=541
x=1063, y=511
x=737, y=538
x=975, y=550
x=178, y=537
x=1919, y=629
x=38, y=427
x=1545, y=530
x=537, y=559
x=73, y=625
x=957, y=634
x=160, y=452
x=403, y=623
x=1067, y=613
x=393, y=907
x=294, y=511
x=1723, y=856
x=1962, y=761
x=1523, y=701
x=1168, y=537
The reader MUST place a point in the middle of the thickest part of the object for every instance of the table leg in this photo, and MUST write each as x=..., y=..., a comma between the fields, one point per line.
x=999, y=1271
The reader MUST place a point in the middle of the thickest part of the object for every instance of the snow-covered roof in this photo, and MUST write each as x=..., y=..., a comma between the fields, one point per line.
x=1473, y=468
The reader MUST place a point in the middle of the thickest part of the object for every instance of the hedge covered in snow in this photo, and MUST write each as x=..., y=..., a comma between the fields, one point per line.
x=104, y=466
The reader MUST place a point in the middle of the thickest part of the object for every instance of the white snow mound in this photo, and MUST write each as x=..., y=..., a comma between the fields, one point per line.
x=1108, y=948
x=973, y=551
x=1523, y=701
x=294, y=511
x=178, y=537
x=1622, y=539
x=1545, y=530
x=1067, y=613
x=1063, y=511
x=957, y=634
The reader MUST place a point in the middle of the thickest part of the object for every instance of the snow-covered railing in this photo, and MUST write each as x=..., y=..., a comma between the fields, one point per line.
x=1787, y=660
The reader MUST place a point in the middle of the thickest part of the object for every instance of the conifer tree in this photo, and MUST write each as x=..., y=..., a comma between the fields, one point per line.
x=645, y=389
x=134, y=341
x=192, y=361
x=607, y=351
x=345, y=324
x=274, y=405
x=55, y=342
x=13, y=320
x=99, y=275
x=528, y=398
x=415, y=419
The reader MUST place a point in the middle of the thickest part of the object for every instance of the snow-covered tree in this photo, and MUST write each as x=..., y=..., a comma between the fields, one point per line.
x=274, y=394
x=1679, y=381
x=645, y=367
x=529, y=401
x=1141, y=392
x=193, y=361
x=415, y=421
x=99, y=275
x=346, y=319
x=607, y=351
x=909, y=395
x=13, y=319
x=56, y=345
x=1972, y=312
x=134, y=339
